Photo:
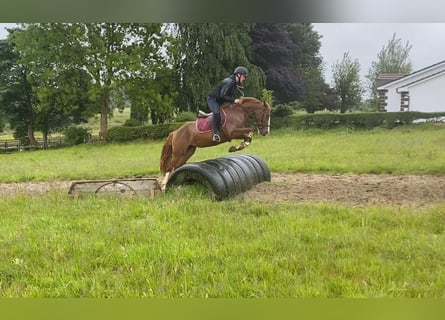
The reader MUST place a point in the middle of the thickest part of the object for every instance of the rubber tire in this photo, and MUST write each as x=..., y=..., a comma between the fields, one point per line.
x=223, y=177
x=258, y=170
x=202, y=173
x=266, y=176
x=231, y=176
x=250, y=177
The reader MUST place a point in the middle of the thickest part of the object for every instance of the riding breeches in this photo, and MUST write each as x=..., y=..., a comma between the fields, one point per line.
x=216, y=118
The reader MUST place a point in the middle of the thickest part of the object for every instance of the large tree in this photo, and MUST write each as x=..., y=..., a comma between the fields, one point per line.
x=17, y=99
x=273, y=51
x=110, y=54
x=60, y=88
x=392, y=58
x=156, y=104
x=117, y=53
x=205, y=54
x=308, y=62
x=347, y=86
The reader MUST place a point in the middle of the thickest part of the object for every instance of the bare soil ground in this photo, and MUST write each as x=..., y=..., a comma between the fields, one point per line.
x=354, y=190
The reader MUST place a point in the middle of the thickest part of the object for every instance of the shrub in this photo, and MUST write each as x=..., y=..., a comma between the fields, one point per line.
x=282, y=110
x=158, y=131
x=76, y=135
x=131, y=123
x=185, y=116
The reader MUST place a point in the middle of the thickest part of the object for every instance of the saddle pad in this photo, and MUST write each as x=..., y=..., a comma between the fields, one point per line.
x=204, y=125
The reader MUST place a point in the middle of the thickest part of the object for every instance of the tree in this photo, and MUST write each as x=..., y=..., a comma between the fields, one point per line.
x=59, y=86
x=205, y=53
x=153, y=98
x=110, y=54
x=61, y=106
x=393, y=58
x=306, y=45
x=308, y=62
x=17, y=99
x=346, y=74
x=273, y=51
x=116, y=53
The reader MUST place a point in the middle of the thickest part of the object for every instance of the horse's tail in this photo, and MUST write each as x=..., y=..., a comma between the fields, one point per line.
x=166, y=155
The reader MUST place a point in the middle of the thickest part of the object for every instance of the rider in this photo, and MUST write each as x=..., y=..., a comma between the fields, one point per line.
x=224, y=92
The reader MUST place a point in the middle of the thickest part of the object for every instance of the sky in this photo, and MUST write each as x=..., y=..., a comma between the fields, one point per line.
x=363, y=41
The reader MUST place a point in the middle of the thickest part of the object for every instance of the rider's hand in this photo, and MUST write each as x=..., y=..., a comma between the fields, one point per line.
x=236, y=101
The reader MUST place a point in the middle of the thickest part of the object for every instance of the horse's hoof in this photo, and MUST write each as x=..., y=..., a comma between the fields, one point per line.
x=232, y=149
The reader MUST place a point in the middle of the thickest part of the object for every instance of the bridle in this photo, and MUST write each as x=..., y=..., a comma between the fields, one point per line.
x=263, y=119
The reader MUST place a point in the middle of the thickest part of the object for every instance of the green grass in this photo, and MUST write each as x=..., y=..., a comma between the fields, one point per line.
x=183, y=245
x=403, y=150
x=418, y=150
x=90, y=161
x=93, y=124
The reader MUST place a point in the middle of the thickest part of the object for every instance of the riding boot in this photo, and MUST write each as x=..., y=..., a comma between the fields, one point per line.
x=216, y=126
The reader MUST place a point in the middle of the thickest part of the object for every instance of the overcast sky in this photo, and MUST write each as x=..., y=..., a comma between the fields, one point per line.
x=364, y=41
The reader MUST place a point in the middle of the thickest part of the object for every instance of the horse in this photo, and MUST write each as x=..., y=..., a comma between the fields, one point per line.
x=181, y=144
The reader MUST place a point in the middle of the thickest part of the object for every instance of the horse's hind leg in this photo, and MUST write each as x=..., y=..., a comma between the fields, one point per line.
x=179, y=157
x=184, y=156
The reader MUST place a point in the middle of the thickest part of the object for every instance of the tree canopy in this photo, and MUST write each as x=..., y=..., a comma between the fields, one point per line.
x=347, y=86
x=273, y=51
x=66, y=72
x=207, y=53
x=17, y=100
x=392, y=58
x=98, y=59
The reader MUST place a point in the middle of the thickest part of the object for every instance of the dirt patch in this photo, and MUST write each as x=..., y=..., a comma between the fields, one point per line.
x=355, y=190
x=32, y=188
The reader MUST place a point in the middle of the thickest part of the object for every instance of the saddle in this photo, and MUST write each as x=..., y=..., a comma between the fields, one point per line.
x=204, y=121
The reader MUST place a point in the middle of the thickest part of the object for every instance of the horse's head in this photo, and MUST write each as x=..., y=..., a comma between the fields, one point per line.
x=261, y=112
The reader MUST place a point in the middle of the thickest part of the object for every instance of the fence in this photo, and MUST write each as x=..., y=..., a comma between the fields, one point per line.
x=8, y=146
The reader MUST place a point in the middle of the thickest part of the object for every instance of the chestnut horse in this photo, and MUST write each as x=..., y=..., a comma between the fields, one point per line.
x=182, y=143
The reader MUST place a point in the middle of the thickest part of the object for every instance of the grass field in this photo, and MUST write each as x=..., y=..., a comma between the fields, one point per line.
x=118, y=119
x=399, y=151
x=182, y=244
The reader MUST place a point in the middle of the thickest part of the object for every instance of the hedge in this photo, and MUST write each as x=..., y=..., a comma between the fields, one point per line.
x=306, y=121
x=159, y=131
x=351, y=120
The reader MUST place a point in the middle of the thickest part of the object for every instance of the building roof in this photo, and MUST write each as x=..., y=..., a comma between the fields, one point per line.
x=421, y=74
x=385, y=78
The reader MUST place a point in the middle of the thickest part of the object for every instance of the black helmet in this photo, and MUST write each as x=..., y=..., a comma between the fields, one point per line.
x=241, y=70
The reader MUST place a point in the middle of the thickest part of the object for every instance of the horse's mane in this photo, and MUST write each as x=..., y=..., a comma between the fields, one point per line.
x=249, y=99
x=243, y=100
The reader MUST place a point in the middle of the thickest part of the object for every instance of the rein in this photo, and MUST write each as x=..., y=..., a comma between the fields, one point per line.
x=262, y=117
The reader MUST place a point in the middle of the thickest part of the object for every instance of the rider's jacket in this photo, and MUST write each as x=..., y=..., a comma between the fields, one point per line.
x=225, y=90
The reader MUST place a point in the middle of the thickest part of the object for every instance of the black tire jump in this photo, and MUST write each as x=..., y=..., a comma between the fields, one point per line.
x=223, y=177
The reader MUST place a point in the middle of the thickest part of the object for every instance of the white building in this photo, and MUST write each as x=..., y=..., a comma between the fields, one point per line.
x=418, y=91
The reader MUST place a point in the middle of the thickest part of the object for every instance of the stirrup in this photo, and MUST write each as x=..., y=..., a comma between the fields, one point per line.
x=216, y=138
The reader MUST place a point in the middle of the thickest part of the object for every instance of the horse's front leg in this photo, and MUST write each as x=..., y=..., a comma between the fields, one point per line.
x=245, y=143
x=165, y=180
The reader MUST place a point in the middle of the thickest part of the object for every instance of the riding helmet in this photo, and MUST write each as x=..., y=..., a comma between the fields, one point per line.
x=241, y=70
